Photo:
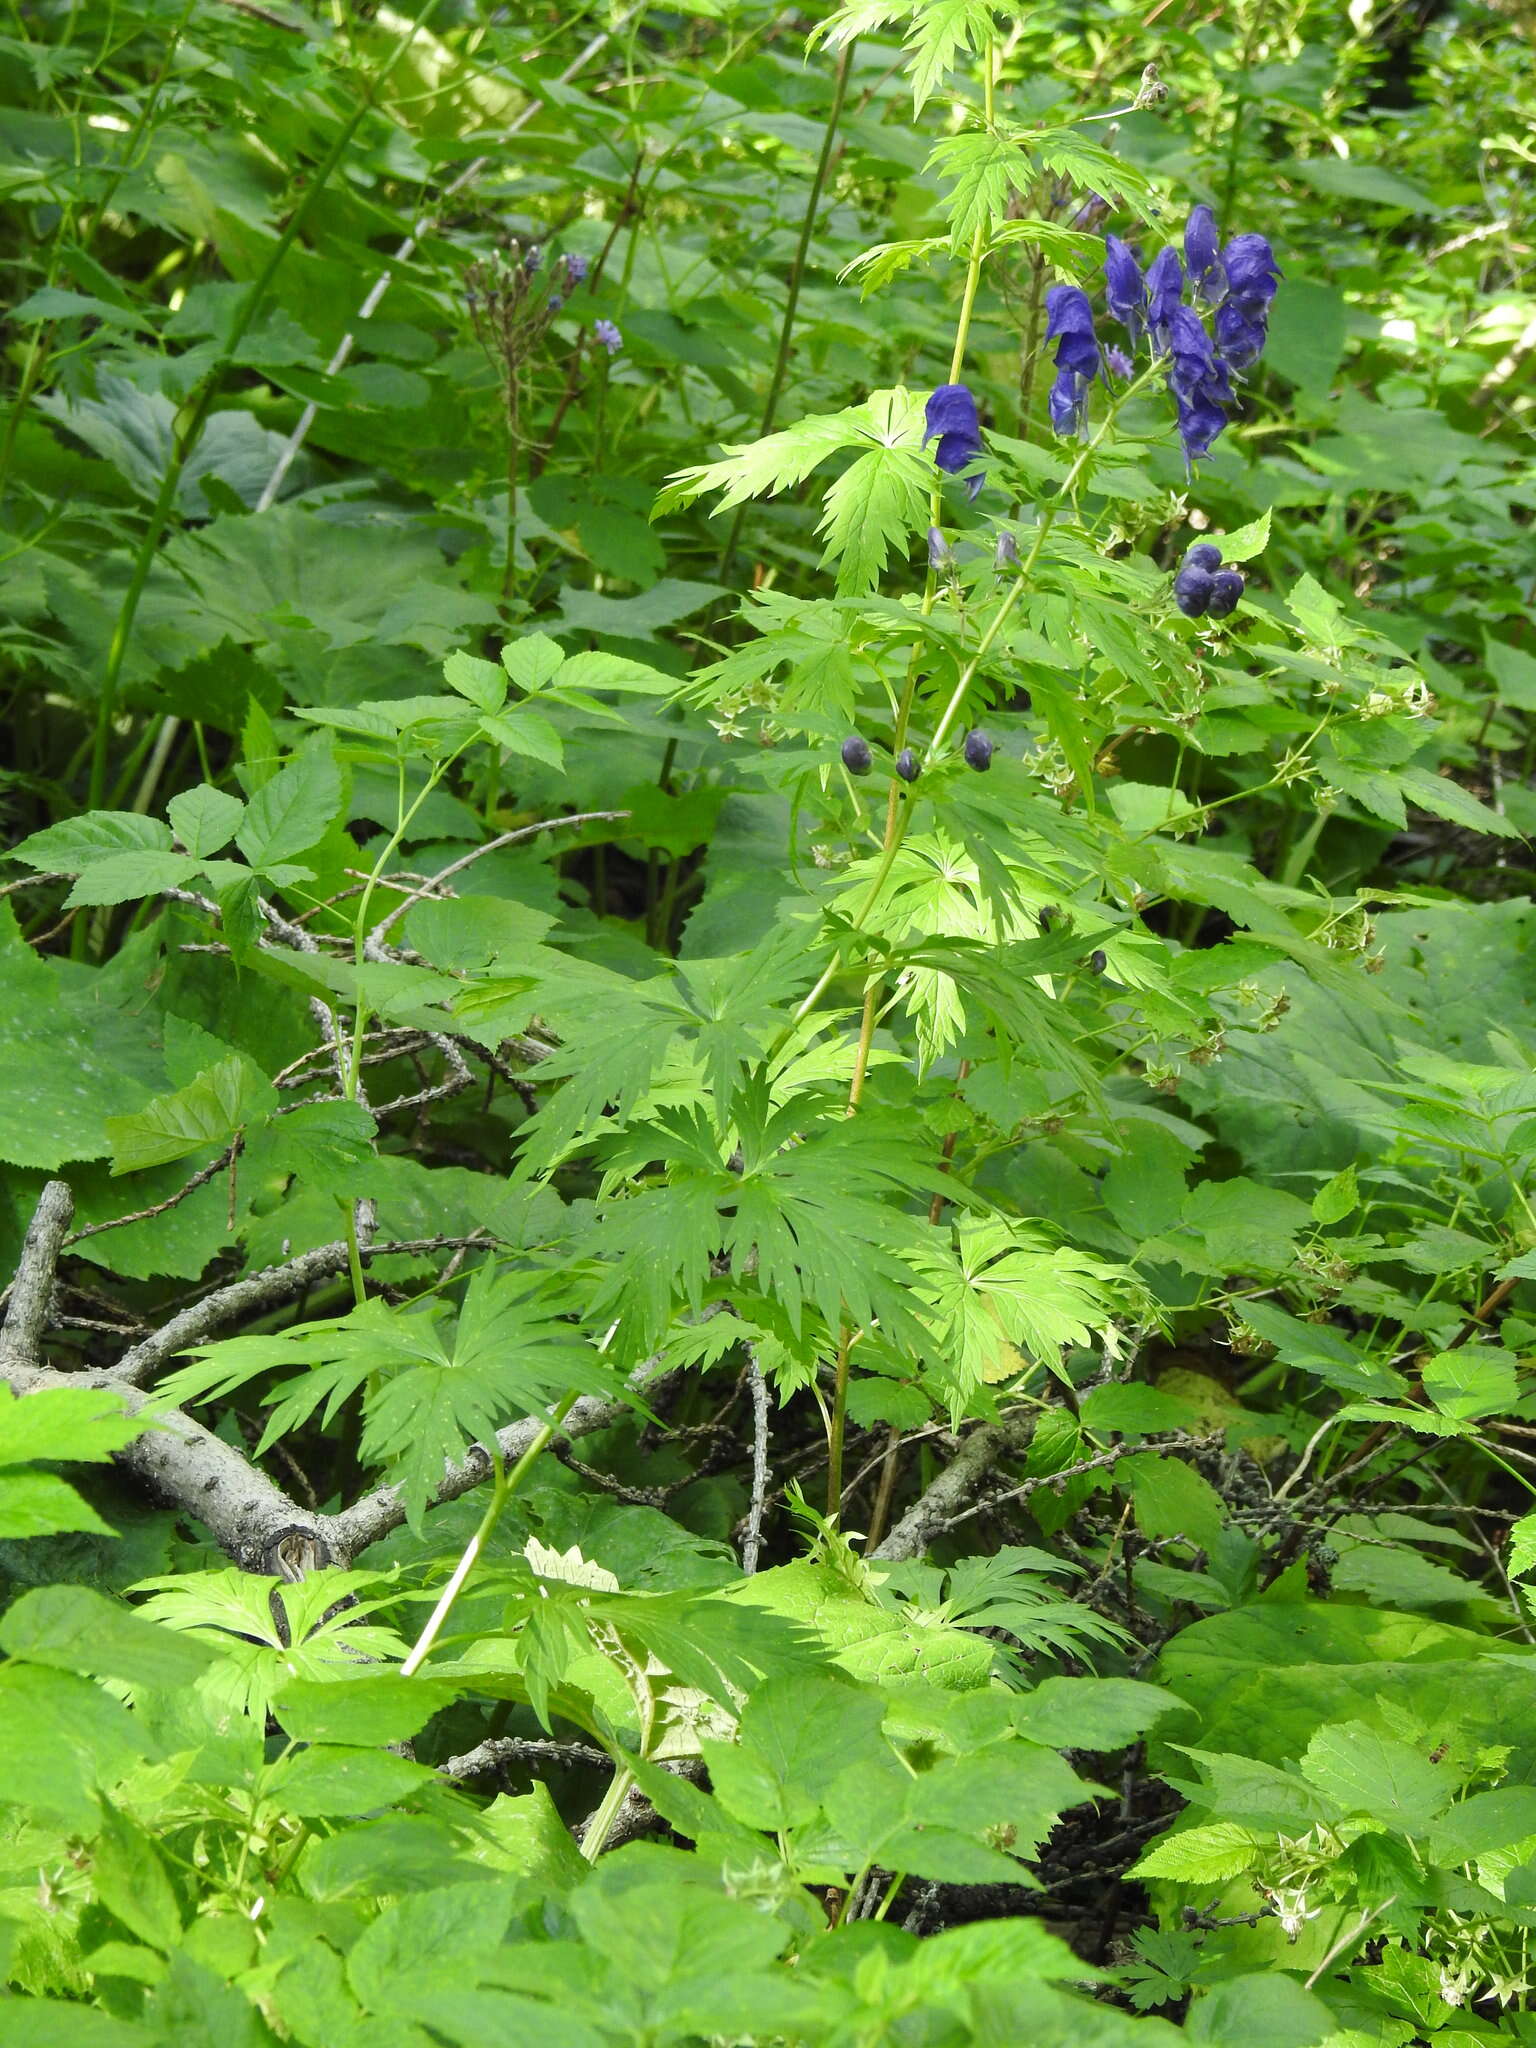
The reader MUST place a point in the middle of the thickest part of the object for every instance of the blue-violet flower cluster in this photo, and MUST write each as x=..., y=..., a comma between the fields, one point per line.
x=1235, y=283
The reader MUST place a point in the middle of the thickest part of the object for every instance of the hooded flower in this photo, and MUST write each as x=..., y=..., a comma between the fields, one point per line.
x=951, y=421
x=1240, y=336
x=1125, y=290
x=1069, y=323
x=1200, y=253
x=1165, y=289
x=1198, y=379
x=1253, y=276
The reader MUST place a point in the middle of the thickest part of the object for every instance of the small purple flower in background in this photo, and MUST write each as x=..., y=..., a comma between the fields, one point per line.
x=532, y=260
x=1200, y=253
x=1117, y=361
x=951, y=421
x=940, y=554
x=1090, y=213
x=556, y=301
x=1069, y=324
x=1125, y=290
x=610, y=337
x=1007, y=554
x=1165, y=290
x=576, y=268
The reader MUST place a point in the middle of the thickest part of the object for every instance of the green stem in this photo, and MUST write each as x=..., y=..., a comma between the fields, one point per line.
x=796, y=278
x=836, y=1430
x=506, y=1485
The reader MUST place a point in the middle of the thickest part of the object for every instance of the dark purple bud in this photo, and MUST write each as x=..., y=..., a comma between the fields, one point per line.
x=977, y=751
x=908, y=767
x=940, y=554
x=1227, y=587
x=532, y=260
x=1048, y=917
x=609, y=335
x=556, y=301
x=856, y=754
x=576, y=269
x=1097, y=961
x=1200, y=247
x=1125, y=290
x=1203, y=554
x=1089, y=214
x=1192, y=590
x=951, y=421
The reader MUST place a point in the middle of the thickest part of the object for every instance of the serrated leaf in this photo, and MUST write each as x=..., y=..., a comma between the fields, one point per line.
x=532, y=661
x=1522, y=1547
x=207, y=1112
x=482, y=682
x=126, y=877
x=1243, y=543
x=291, y=813
x=875, y=506
x=75, y=843
x=204, y=818
x=1213, y=1854
x=73, y=1628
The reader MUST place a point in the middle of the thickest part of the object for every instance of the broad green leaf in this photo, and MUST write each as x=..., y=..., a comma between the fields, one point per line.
x=125, y=877
x=482, y=682
x=1212, y=1854
x=85, y=1424
x=76, y=843
x=292, y=812
x=76, y=1629
x=1473, y=1382
x=207, y=1112
x=204, y=819
x=129, y=1878
x=37, y=1504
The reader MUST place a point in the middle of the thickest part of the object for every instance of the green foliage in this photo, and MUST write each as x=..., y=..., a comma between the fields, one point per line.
x=540, y=1109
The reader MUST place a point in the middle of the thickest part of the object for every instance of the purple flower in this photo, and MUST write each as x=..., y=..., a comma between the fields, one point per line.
x=1119, y=362
x=1240, y=335
x=1200, y=420
x=576, y=268
x=1200, y=252
x=1165, y=289
x=609, y=335
x=556, y=301
x=1068, y=402
x=951, y=421
x=1253, y=276
x=1125, y=290
x=1195, y=366
x=1069, y=323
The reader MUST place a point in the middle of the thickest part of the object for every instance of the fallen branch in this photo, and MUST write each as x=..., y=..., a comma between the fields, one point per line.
x=956, y=1486
x=31, y=1291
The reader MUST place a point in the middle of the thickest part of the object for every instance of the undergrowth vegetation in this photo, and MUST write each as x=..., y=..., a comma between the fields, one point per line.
x=766, y=984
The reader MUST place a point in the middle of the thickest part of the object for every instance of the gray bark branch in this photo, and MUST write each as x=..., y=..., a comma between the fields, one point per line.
x=955, y=1488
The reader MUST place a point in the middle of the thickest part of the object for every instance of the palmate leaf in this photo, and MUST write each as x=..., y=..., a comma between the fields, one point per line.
x=877, y=504
x=1007, y=1289
x=939, y=31
x=986, y=170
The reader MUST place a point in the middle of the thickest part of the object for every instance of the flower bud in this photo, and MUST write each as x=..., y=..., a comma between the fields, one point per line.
x=1097, y=961
x=1049, y=916
x=1227, y=587
x=977, y=751
x=856, y=754
x=908, y=767
x=1192, y=590
x=1203, y=554
x=1007, y=556
x=940, y=555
